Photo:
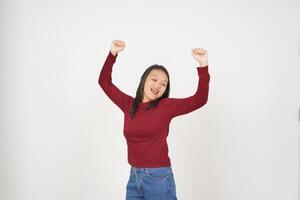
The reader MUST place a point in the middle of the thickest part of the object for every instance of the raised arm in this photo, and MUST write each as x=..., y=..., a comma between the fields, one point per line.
x=181, y=106
x=105, y=78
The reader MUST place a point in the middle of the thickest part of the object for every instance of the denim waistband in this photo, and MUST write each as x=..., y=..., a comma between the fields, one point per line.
x=147, y=170
x=141, y=168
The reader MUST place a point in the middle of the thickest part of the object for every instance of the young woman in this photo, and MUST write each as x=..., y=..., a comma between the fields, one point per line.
x=146, y=123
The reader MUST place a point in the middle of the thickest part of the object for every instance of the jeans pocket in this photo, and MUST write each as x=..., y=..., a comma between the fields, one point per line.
x=160, y=172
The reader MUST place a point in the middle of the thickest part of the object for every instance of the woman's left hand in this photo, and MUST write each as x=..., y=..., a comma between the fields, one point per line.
x=201, y=56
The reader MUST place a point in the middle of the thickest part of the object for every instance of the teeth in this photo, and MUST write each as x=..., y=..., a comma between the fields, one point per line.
x=154, y=91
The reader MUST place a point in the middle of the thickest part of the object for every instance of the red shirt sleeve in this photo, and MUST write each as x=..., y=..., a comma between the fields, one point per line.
x=181, y=106
x=105, y=81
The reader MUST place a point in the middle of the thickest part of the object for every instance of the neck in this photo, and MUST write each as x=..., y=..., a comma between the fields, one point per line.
x=145, y=100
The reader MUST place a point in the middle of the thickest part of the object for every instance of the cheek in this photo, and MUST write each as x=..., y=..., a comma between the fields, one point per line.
x=148, y=84
x=147, y=87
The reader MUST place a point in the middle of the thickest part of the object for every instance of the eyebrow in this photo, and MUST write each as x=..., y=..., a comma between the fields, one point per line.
x=156, y=76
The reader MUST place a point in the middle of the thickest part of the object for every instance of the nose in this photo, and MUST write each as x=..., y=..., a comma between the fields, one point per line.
x=158, y=86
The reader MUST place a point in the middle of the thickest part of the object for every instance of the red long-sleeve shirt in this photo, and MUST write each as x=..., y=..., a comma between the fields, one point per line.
x=146, y=133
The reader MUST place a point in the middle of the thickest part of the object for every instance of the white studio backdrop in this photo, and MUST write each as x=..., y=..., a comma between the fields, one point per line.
x=62, y=138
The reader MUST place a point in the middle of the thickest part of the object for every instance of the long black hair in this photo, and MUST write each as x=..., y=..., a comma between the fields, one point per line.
x=140, y=90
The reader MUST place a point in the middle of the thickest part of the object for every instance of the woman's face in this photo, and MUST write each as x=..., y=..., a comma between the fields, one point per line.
x=155, y=85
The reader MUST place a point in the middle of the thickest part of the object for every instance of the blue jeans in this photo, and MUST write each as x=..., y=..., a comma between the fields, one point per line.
x=151, y=184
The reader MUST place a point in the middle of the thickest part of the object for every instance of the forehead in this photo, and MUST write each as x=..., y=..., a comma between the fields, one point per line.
x=159, y=74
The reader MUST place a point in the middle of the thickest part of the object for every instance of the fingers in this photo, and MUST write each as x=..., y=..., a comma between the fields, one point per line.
x=119, y=43
x=199, y=51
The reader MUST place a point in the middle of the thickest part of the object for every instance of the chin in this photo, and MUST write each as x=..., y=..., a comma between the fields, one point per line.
x=152, y=98
x=155, y=98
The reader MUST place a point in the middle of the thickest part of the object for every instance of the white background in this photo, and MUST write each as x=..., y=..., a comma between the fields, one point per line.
x=62, y=138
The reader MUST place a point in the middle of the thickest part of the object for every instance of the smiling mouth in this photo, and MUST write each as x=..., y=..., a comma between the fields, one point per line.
x=154, y=91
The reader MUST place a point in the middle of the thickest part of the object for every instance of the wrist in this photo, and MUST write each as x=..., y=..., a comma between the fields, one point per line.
x=203, y=64
x=113, y=53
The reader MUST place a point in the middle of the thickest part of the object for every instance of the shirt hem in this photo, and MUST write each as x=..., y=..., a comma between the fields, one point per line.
x=168, y=164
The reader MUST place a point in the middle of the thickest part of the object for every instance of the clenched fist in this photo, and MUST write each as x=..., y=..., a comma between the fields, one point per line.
x=201, y=56
x=117, y=46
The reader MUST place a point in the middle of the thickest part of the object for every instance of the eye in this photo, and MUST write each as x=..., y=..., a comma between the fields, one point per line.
x=154, y=79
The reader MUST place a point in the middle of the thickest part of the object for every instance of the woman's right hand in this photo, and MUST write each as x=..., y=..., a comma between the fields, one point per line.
x=117, y=46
